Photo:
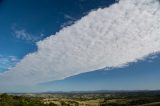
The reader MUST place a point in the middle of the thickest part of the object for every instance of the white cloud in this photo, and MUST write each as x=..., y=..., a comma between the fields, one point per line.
x=110, y=37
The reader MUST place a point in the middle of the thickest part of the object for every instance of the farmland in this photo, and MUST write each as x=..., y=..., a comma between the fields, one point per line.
x=99, y=98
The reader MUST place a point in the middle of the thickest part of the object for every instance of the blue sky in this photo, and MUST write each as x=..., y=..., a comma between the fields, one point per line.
x=143, y=75
x=26, y=22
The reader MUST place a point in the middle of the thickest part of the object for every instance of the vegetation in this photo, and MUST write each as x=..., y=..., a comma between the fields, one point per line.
x=83, y=99
x=9, y=100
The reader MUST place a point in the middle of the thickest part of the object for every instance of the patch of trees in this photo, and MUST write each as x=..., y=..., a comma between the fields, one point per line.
x=9, y=100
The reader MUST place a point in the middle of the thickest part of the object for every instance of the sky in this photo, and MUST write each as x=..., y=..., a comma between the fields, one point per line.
x=57, y=45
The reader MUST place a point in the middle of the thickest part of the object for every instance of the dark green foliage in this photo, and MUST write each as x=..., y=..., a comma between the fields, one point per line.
x=9, y=100
x=6, y=100
x=52, y=104
x=63, y=103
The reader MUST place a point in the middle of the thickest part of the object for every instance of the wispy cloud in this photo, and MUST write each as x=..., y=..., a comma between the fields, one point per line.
x=23, y=34
x=110, y=37
x=70, y=21
x=7, y=62
x=70, y=17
